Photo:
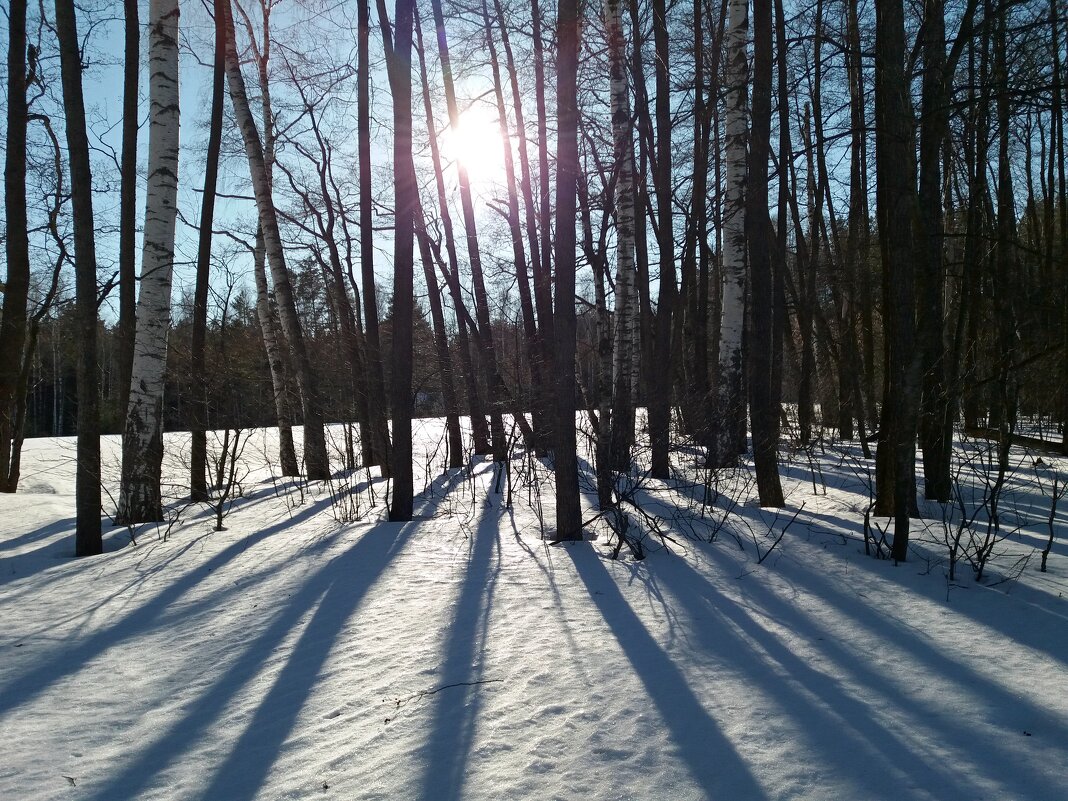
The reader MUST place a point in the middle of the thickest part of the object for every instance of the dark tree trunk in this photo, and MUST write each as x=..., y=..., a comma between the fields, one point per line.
x=764, y=411
x=565, y=456
x=88, y=539
x=377, y=439
x=479, y=430
x=539, y=346
x=316, y=459
x=17, y=280
x=127, y=324
x=936, y=424
x=406, y=199
x=659, y=393
x=896, y=209
x=198, y=486
x=482, y=316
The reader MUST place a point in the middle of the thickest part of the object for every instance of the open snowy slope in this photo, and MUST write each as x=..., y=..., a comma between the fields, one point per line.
x=460, y=656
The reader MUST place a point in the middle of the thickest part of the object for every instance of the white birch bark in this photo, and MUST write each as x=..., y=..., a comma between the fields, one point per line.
x=728, y=392
x=625, y=363
x=139, y=497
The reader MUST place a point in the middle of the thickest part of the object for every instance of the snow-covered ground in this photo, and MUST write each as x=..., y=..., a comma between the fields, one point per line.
x=296, y=655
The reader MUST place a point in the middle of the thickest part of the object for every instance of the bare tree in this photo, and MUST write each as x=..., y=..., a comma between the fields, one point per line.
x=88, y=540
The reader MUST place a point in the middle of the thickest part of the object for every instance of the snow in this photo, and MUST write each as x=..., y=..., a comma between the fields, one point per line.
x=461, y=656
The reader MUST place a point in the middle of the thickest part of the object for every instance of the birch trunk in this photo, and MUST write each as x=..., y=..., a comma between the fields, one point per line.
x=277, y=363
x=315, y=456
x=729, y=399
x=142, y=446
x=625, y=362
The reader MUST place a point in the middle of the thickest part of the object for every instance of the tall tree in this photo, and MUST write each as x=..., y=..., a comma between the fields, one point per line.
x=127, y=325
x=480, y=434
x=482, y=315
x=936, y=430
x=405, y=201
x=765, y=408
x=658, y=390
x=378, y=437
x=142, y=446
x=625, y=360
x=896, y=211
x=316, y=461
x=565, y=455
x=729, y=399
x=198, y=487
x=16, y=287
x=88, y=540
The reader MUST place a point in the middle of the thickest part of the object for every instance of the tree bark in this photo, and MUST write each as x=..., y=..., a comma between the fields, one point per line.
x=765, y=409
x=479, y=429
x=127, y=325
x=565, y=456
x=13, y=321
x=896, y=209
x=198, y=485
x=659, y=396
x=936, y=424
x=482, y=316
x=729, y=400
x=88, y=540
x=142, y=446
x=625, y=367
x=406, y=199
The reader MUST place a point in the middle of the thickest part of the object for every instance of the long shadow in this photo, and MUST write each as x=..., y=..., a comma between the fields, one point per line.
x=954, y=732
x=335, y=590
x=1049, y=639
x=70, y=659
x=836, y=722
x=451, y=734
x=41, y=533
x=710, y=757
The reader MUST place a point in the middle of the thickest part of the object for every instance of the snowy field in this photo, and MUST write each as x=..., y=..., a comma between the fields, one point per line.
x=313, y=651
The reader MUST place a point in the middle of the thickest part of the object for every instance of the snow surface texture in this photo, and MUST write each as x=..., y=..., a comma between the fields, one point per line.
x=460, y=656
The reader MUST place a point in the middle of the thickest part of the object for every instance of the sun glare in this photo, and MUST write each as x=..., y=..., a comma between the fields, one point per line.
x=477, y=145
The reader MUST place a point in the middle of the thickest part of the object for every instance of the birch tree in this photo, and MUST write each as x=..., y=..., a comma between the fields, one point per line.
x=142, y=448
x=625, y=362
x=315, y=456
x=729, y=398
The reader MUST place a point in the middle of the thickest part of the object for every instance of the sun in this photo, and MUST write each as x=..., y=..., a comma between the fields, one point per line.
x=476, y=144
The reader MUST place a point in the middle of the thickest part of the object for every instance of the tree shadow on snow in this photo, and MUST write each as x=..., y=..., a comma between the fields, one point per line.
x=334, y=592
x=709, y=756
x=451, y=733
x=909, y=753
x=72, y=657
